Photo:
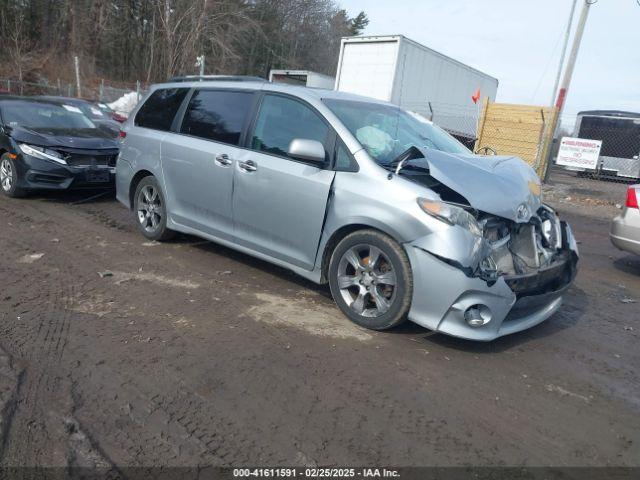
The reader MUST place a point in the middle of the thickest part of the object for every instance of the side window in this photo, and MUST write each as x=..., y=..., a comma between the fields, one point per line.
x=283, y=119
x=217, y=115
x=160, y=108
x=344, y=160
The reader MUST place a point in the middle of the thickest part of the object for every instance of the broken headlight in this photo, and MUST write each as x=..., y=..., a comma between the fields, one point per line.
x=451, y=214
x=550, y=227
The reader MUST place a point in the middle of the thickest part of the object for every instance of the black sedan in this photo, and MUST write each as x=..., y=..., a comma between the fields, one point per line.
x=52, y=146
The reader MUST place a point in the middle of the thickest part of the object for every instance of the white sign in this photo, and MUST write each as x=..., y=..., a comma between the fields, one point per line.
x=71, y=108
x=579, y=152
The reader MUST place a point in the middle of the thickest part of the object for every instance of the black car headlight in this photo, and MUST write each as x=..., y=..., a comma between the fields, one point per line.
x=42, y=153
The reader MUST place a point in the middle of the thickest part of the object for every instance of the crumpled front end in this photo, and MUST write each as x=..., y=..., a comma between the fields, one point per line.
x=509, y=279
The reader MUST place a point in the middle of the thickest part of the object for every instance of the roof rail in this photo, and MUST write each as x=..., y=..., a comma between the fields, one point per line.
x=216, y=78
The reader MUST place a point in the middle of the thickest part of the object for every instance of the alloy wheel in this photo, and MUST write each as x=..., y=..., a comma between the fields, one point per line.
x=367, y=280
x=6, y=175
x=150, y=208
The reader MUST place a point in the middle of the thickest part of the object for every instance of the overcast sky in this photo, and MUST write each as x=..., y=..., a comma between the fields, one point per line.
x=519, y=42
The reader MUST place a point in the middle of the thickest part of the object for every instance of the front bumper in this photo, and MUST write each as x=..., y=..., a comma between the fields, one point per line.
x=38, y=174
x=443, y=292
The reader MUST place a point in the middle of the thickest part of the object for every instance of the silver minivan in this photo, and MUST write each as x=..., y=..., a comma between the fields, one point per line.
x=399, y=218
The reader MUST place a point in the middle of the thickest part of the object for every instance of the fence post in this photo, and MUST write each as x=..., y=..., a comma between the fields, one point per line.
x=481, y=122
x=548, y=143
x=69, y=90
x=137, y=90
x=101, y=94
x=9, y=86
x=77, y=64
x=59, y=86
x=541, y=144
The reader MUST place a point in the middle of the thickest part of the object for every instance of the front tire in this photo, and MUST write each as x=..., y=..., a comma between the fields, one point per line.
x=9, y=177
x=151, y=210
x=370, y=279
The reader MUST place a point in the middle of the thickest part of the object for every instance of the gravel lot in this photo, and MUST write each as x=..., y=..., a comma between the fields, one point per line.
x=188, y=353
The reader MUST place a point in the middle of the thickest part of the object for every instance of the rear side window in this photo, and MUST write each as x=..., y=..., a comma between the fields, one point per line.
x=217, y=115
x=160, y=108
x=283, y=119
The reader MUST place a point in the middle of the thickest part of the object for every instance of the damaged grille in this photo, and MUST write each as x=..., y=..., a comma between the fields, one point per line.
x=90, y=158
x=529, y=256
x=547, y=279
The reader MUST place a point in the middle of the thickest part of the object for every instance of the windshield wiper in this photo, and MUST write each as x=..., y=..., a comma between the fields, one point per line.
x=410, y=153
x=398, y=163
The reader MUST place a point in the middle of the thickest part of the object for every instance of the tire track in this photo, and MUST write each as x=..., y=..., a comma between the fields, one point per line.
x=42, y=350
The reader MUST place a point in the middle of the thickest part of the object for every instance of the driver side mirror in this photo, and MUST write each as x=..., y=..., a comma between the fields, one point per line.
x=308, y=151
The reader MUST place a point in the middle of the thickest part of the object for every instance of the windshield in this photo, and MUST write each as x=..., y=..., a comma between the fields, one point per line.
x=386, y=131
x=37, y=115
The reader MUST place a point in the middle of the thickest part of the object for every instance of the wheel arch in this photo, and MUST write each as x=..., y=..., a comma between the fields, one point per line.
x=134, y=184
x=340, y=233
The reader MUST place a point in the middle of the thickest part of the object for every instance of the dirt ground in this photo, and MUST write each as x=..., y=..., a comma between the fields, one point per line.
x=188, y=353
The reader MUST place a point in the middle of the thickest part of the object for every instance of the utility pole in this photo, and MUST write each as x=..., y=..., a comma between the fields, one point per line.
x=567, y=34
x=571, y=63
x=568, y=73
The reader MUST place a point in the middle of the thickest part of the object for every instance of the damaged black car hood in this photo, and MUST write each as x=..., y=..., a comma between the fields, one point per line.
x=81, y=138
x=500, y=185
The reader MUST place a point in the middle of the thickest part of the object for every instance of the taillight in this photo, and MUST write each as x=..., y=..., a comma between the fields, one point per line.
x=122, y=134
x=632, y=198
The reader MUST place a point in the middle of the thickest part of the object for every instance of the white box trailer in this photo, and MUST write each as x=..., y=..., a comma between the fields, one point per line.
x=306, y=78
x=399, y=70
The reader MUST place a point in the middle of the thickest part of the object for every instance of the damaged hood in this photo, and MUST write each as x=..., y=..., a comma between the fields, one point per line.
x=81, y=138
x=501, y=185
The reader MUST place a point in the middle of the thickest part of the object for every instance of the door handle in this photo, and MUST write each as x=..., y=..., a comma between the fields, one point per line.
x=248, y=166
x=223, y=160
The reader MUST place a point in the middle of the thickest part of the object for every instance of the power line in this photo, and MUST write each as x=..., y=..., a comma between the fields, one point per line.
x=564, y=51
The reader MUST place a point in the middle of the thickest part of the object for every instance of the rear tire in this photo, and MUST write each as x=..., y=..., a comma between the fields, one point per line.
x=151, y=211
x=9, y=177
x=371, y=280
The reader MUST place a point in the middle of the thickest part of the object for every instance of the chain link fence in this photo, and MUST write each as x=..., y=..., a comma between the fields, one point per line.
x=17, y=87
x=102, y=92
x=461, y=121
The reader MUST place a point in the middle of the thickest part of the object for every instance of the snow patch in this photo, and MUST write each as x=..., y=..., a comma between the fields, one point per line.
x=126, y=103
x=30, y=258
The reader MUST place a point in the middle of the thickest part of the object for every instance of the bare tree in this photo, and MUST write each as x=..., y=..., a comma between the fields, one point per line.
x=18, y=46
x=125, y=40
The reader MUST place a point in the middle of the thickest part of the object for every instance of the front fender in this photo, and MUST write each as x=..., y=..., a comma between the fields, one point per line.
x=374, y=201
x=455, y=244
